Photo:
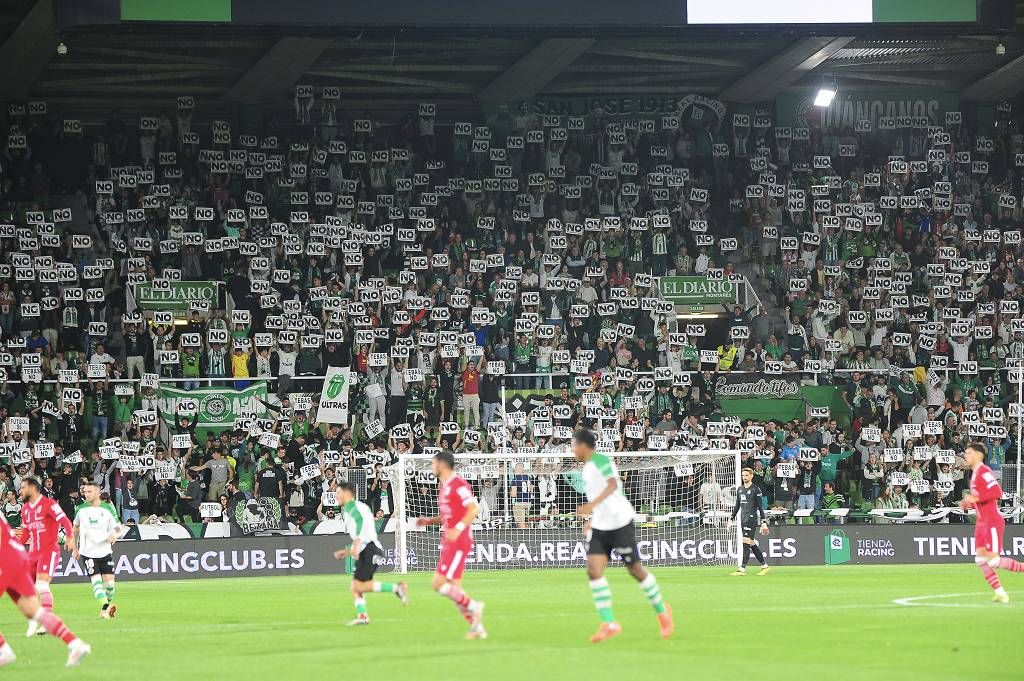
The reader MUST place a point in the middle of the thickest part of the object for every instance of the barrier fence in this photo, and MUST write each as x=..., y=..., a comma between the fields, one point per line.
x=313, y=555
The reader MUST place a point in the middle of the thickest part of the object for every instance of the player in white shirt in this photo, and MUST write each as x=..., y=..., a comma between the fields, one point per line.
x=610, y=527
x=367, y=552
x=96, y=528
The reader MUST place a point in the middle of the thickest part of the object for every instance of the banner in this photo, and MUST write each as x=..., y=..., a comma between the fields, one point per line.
x=787, y=409
x=528, y=400
x=756, y=386
x=176, y=297
x=797, y=108
x=637, y=106
x=218, y=407
x=870, y=544
x=250, y=516
x=697, y=290
x=334, y=397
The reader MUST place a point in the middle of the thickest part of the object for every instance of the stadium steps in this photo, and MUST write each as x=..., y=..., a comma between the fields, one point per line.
x=760, y=285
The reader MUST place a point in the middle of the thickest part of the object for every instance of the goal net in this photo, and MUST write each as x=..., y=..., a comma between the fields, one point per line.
x=528, y=503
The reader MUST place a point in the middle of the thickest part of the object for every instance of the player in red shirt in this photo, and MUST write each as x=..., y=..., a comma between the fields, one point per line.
x=16, y=581
x=989, y=524
x=458, y=509
x=41, y=520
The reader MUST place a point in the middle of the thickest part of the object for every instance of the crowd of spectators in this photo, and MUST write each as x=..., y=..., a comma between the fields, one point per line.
x=445, y=262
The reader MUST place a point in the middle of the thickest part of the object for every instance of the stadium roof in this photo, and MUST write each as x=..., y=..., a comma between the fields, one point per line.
x=131, y=66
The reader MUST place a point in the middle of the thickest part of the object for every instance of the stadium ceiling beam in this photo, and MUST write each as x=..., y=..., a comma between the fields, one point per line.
x=534, y=70
x=1003, y=83
x=28, y=50
x=278, y=70
x=783, y=70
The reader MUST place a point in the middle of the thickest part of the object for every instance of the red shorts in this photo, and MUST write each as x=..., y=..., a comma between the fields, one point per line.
x=44, y=563
x=16, y=576
x=452, y=562
x=989, y=535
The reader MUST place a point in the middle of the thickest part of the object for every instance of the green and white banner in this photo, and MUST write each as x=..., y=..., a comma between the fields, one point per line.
x=697, y=290
x=172, y=295
x=218, y=407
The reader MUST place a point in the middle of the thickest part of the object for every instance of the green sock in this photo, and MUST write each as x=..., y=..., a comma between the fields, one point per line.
x=602, y=595
x=109, y=588
x=653, y=592
x=384, y=587
x=98, y=591
x=360, y=606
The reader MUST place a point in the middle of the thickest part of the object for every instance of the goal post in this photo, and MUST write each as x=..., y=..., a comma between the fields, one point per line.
x=683, y=501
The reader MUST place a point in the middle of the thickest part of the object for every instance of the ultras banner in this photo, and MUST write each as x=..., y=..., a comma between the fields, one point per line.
x=313, y=555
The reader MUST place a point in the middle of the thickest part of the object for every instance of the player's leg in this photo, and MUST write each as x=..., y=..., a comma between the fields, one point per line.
x=362, y=582
x=745, y=558
x=599, y=551
x=39, y=567
x=44, y=573
x=649, y=585
x=96, y=580
x=52, y=624
x=400, y=589
x=987, y=545
x=109, y=589
x=755, y=549
x=601, y=593
x=358, y=589
x=1002, y=562
x=7, y=655
x=448, y=582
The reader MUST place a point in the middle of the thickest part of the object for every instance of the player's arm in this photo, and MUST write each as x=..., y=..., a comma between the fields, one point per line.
x=74, y=539
x=352, y=550
x=65, y=524
x=761, y=515
x=472, y=511
x=423, y=522
x=736, y=505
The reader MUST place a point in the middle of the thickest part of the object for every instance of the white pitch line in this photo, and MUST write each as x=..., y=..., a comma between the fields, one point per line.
x=917, y=601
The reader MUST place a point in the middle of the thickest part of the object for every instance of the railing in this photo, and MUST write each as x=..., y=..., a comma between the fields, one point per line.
x=1018, y=481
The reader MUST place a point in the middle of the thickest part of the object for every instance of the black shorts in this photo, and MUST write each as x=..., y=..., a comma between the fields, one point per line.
x=750, y=527
x=622, y=541
x=366, y=563
x=98, y=566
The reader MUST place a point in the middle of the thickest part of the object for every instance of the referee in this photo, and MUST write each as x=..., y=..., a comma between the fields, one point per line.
x=751, y=515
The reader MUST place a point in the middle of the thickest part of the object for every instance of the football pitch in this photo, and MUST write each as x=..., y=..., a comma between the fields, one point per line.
x=846, y=622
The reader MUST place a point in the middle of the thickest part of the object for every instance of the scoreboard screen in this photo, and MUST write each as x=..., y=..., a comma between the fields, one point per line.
x=856, y=16
x=729, y=12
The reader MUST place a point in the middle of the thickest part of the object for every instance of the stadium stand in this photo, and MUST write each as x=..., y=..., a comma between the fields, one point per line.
x=497, y=282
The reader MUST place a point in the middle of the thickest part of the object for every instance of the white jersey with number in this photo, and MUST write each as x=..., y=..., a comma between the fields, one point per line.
x=615, y=511
x=95, y=525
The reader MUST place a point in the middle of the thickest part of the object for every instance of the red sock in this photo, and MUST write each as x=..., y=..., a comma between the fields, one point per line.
x=46, y=599
x=456, y=594
x=54, y=625
x=990, y=576
x=1011, y=565
x=2, y=640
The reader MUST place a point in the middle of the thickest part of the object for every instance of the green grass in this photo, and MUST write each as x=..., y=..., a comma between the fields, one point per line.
x=797, y=623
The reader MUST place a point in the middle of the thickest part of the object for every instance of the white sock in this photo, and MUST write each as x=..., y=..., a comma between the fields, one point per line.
x=1000, y=591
